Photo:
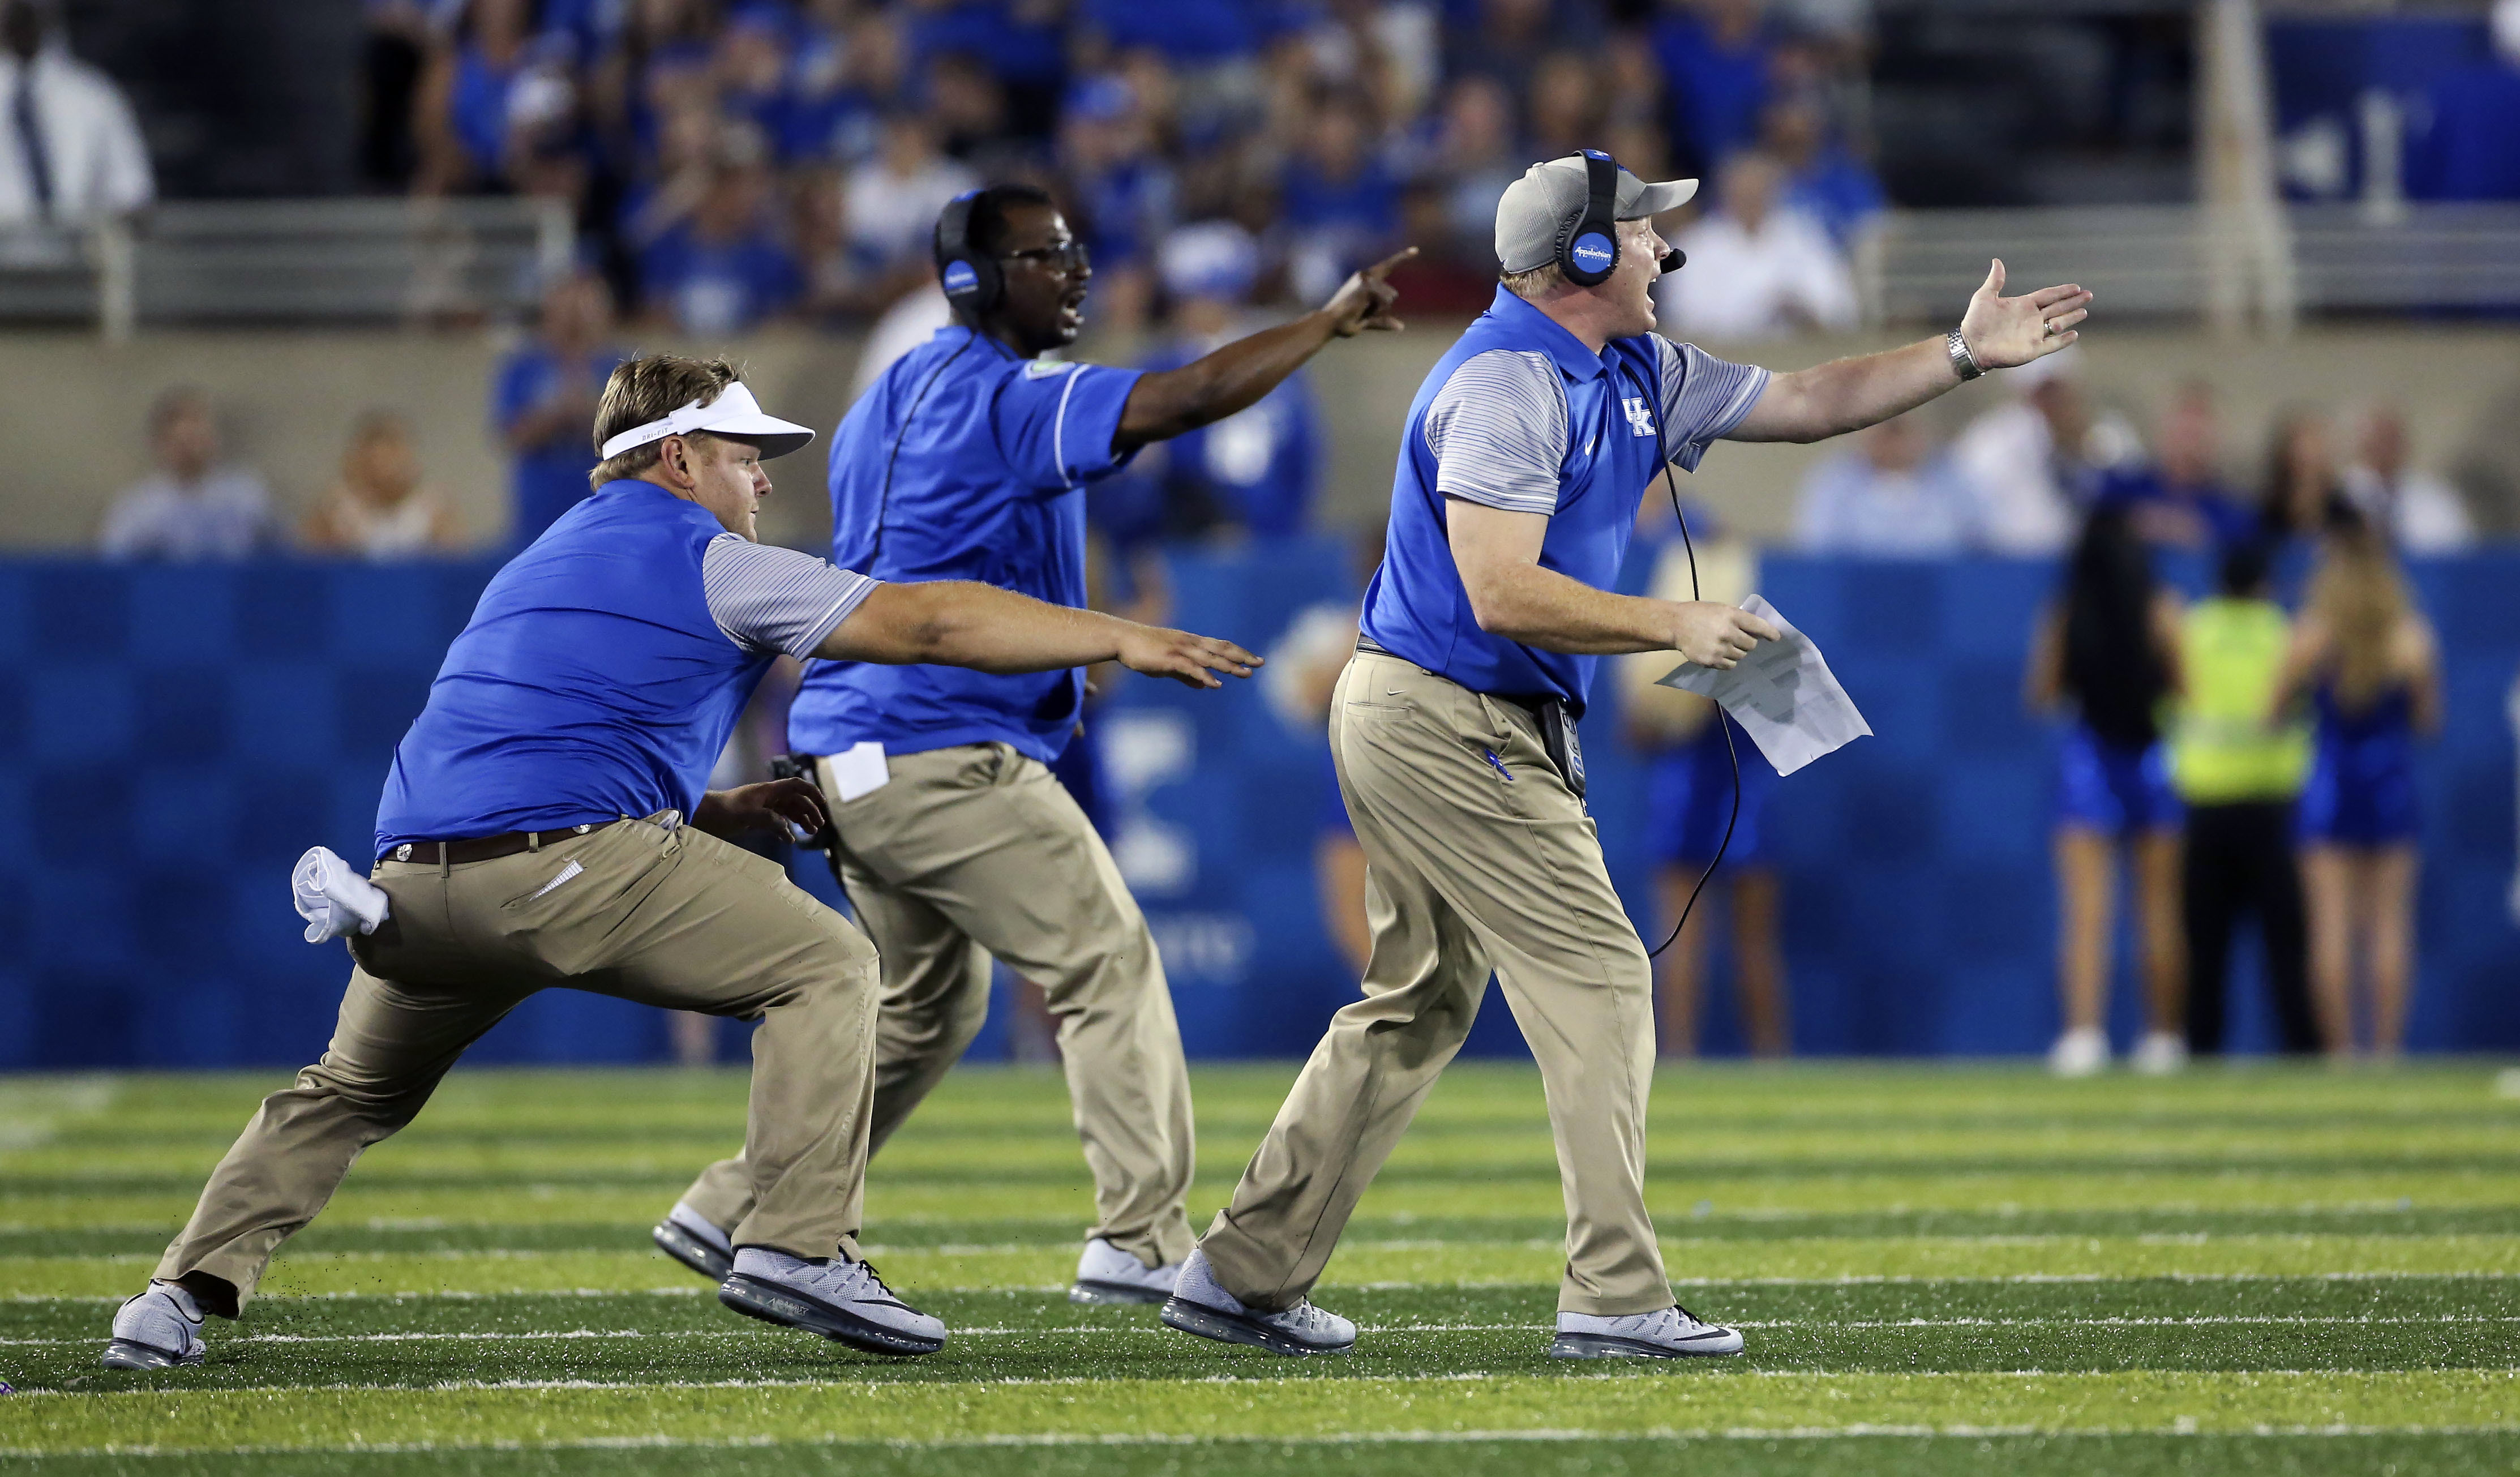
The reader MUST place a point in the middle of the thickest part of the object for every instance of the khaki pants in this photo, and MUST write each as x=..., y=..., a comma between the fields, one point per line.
x=974, y=851
x=1465, y=871
x=662, y=916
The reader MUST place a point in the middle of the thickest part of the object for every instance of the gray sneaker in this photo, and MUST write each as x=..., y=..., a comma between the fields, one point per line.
x=686, y=1236
x=1672, y=1333
x=1200, y=1305
x=159, y=1329
x=1106, y=1274
x=841, y=1300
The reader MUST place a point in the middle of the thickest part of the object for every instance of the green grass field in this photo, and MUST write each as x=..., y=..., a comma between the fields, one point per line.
x=1938, y=1269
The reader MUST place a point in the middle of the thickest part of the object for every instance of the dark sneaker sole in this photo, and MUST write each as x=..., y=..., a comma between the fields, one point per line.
x=1095, y=1293
x=1234, y=1328
x=773, y=1304
x=1604, y=1346
x=123, y=1354
x=693, y=1252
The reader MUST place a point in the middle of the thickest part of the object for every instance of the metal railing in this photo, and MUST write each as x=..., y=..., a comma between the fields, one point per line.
x=222, y=262
x=2159, y=260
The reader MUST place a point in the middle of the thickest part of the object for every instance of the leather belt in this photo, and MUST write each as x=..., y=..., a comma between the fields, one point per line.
x=486, y=848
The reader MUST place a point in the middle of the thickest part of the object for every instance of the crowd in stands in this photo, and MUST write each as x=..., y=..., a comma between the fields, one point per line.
x=2020, y=478
x=736, y=161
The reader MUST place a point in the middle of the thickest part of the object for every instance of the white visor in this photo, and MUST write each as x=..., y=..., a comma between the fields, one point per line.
x=734, y=414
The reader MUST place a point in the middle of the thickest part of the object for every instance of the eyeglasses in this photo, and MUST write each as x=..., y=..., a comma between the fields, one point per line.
x=1066, y=256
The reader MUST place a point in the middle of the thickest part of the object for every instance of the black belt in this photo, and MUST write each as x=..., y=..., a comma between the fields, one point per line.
x=487, y=848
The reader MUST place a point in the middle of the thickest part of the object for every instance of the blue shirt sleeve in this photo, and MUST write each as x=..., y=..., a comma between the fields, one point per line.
x=1054, y=422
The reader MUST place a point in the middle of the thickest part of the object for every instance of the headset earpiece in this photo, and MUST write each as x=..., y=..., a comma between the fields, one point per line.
x=1588, y=243
x=973, y=280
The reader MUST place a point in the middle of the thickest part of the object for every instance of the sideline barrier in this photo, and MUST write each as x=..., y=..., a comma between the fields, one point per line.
x=171, y=738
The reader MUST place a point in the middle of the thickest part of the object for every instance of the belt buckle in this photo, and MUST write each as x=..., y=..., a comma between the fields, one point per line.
x=402, y=853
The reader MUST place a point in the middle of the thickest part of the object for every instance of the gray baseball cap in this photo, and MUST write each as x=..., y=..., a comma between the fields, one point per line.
x=1535, y=205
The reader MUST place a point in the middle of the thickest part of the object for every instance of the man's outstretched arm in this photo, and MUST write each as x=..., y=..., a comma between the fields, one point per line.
x=960, y=623
x=1170, y=402
x=1849, y=394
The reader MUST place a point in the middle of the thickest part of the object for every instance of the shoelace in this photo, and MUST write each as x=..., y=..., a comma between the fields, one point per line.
x=1307, y=1317
x=857, y=1281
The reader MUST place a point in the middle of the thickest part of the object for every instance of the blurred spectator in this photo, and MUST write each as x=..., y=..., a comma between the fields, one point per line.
x=468, y=94
x=1503, y=39
x=72, y=152
x=1893, y=495
x=1202, y=33
x=1298, y=683
x=2029, y=457
x=1693, y=748
x=2108, y=651
x=905, y=326
x=2422, y=512
x=1716, y=56
x=1337, y=200
x=2466, y=141
x=890, y=205
x=192, y=508
x=1124, y=192
x=724, y=269
x=1256, y=471
x=394, y=56
x=1472, y=160
x=1822, y=178
x=543, y=402
x=2369, y=662
x=2179, y=497
x=1386, y=49
x=1757, y=268
x=1451, y=274
x=380, y=510
x=2303, y=492
x=2237, y=766
x=1562, y=108
x=845, y=76
x=1019, y=45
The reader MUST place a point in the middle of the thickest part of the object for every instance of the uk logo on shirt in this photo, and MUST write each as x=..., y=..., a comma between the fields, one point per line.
x=1639, y=416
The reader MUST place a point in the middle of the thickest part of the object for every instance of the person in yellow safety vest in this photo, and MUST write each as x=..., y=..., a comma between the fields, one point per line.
x=2238, y=776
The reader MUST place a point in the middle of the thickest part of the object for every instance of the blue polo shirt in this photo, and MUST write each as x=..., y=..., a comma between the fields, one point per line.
x=604, y=669
x=964, y=462
x=1520, y=416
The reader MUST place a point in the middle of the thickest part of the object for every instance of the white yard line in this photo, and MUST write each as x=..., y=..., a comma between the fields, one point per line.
x=738, y=1331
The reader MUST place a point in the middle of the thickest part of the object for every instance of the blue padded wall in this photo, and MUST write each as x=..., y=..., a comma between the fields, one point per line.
x=171, y=738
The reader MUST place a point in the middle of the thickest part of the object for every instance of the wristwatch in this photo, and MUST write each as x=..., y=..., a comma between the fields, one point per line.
x=1962, y=361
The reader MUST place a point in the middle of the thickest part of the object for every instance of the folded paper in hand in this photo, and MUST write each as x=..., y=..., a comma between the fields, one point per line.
x=1782, y=694
x=334, y=898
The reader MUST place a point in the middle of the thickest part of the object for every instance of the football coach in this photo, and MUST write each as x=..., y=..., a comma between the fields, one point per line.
x=969, y=458
x=545, y=824
x=1453, y=730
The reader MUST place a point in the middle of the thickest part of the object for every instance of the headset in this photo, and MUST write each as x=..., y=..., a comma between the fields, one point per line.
x=973, y=280
x=1587, y=241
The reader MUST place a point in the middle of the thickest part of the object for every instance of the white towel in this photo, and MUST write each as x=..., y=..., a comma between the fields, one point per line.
x=332, y=899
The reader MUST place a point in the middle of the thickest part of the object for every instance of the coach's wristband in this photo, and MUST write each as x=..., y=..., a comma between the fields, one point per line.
x=1962, y=359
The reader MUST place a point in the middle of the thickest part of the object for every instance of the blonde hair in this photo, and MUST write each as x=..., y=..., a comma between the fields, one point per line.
x=650, y=388
x=2361, y=597
x=1543, y=279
